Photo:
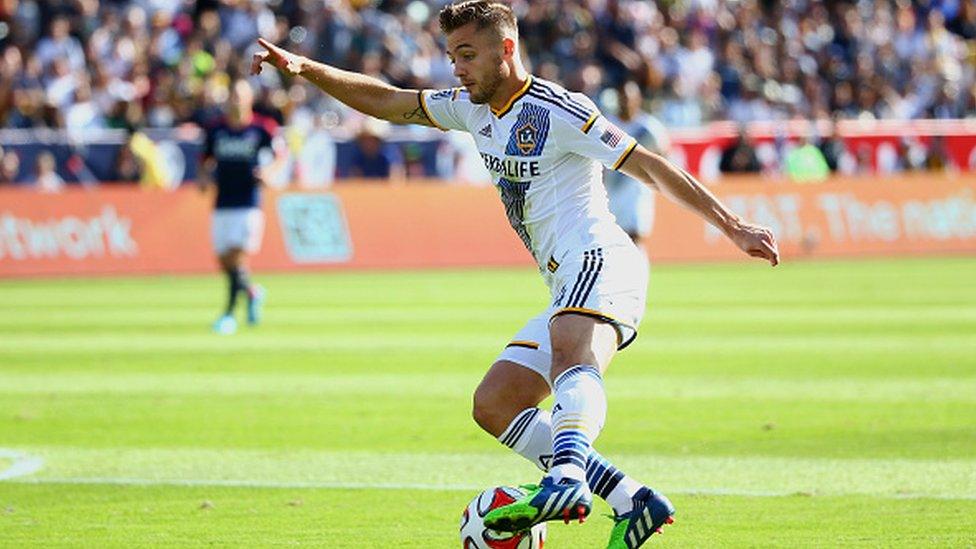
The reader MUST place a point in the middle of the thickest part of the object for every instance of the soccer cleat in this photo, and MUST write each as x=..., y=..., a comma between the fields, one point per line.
x=255, y=304
x=225, y=325
x=567, y=500
x=650, y=513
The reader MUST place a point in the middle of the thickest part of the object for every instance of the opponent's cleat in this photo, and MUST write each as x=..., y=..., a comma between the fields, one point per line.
x=568, y=500
x=651, y=511
x=225, y=325
x=255, y=305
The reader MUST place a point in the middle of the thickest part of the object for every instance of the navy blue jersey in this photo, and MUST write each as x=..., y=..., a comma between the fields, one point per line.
x=237, y=152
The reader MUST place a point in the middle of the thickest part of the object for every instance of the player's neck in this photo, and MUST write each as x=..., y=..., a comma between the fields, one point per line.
x=241, y=121
x=509, y=88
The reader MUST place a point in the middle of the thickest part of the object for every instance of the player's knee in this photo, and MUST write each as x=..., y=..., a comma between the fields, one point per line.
x=487, y=412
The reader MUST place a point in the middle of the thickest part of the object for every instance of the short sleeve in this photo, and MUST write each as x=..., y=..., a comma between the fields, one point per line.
x=442, y=108
x=600, y=140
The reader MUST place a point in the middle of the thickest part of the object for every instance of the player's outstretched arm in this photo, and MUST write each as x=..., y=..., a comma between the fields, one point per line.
x=680, y=186
x=363, y=93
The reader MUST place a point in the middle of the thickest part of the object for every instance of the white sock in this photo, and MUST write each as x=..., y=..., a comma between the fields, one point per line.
x=530, y=435
x=577, y=418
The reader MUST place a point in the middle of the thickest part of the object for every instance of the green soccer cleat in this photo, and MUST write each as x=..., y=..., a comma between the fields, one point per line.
x=567, y=500
x=650, y=513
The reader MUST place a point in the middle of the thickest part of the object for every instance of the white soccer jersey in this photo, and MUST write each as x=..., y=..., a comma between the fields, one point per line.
x=543, y=149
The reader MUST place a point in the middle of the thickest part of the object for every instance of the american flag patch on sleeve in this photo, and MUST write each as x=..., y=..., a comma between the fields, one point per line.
x=612, y=136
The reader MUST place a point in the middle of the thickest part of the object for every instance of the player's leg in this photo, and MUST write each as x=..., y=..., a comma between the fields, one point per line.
x=587, y=328
x=581, y=348
x=238, y=280
x=254, y=224
x=222, y=238
x=505, y=406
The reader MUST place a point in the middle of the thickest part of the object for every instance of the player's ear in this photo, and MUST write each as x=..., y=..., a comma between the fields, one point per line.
x=508, y=47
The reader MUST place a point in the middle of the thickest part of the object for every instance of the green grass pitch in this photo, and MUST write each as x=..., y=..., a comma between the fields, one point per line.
x=823, y=404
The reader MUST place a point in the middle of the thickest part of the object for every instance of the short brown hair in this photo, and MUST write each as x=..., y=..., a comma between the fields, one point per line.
x=486, y=15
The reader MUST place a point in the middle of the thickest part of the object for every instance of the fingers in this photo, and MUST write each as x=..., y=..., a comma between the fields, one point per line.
x=257, y=60
x=768, y=250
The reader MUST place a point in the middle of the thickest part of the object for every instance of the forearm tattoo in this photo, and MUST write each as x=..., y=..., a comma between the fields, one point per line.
x=417, y=115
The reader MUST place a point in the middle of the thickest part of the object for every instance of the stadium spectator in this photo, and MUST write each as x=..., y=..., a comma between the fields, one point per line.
x=835, y=153
x=631, y=201
x=741, y=156
x=9, y=167
x=46, y=177
x=372, y=158
x=805, y=163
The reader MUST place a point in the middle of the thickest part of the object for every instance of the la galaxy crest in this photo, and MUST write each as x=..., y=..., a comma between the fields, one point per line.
x=525, y=137
x=528, y=134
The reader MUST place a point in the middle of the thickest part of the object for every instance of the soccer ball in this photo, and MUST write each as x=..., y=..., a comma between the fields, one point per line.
x=474, y=535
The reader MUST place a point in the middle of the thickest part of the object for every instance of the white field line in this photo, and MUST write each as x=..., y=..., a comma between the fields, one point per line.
x=22, y=464
x=752, y=476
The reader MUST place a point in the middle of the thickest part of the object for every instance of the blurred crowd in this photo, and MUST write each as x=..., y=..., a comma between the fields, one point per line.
x=86, y=64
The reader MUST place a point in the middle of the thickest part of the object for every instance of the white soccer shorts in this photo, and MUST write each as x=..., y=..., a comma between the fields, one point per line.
x=605, y=283
x=237, y=228
x=632, y=203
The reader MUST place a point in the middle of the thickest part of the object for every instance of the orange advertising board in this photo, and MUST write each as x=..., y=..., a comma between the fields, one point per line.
x=919, y=214
x=365, y=226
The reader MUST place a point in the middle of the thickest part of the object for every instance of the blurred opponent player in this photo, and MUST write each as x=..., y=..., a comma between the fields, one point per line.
x=544, y=146
x=236, y=159
x=631, y=201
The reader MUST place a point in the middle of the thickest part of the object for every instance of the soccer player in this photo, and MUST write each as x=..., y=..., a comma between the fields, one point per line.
x=544, y=146
x=631, y=201
x=235, y=161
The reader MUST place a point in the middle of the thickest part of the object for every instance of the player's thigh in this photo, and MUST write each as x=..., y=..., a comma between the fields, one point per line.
x=600, y=297
x=518, y=379
x=237, y=229
x=581, y=339
x=506, y=390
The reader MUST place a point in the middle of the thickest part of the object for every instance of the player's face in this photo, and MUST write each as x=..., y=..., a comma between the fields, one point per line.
x=240, y=103
x=630, y=100
x=477, y=59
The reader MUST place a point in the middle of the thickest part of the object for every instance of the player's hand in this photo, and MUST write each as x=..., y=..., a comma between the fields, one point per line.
x=279, y=58
x=260, y=176
x=755, y=240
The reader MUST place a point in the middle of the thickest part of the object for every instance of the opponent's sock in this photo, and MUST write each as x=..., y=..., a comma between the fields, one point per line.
x=244, y=282
x=530, y=435
x=233, y=288
x=577, y=418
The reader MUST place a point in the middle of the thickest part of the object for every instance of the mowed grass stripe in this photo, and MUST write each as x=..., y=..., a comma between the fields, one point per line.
x=326, y=341
x=72, y=315
x=654, y=387
x=748, y=475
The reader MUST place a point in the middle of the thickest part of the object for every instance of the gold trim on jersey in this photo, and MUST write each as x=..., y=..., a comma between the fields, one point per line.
x=526, y=344
x=553, y=265
x=623, y=157
x=600, y=316
x=589, y=123
x=423, y=106
x=511, y=100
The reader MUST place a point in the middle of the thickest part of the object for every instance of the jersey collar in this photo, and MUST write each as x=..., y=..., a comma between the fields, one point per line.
x=511, y=100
